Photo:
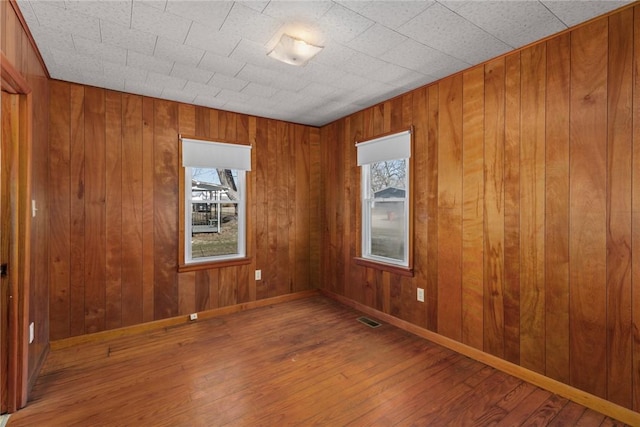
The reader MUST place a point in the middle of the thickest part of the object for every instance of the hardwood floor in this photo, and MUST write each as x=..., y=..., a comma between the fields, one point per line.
x=306, y=362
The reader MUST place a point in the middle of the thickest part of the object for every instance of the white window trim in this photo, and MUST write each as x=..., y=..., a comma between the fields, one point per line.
x=391, y=147
x=214, y=155
x=242, y=220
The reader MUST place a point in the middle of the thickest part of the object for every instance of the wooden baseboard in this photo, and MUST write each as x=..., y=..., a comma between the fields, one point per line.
x=175, y=321
x=591, y=401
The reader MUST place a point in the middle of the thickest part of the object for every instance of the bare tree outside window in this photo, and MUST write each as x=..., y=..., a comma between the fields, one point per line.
x=390, y=173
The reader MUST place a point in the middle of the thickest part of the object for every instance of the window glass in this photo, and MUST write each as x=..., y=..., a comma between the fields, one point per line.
x=214, y=214
x=385, y=211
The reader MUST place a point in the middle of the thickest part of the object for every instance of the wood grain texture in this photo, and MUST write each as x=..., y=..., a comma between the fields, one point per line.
x=420, y=184
x=21, y=55
x=494, y=200
x=532, y=167
x=165, y=194
x=293, y=373
x=77, y=211
x=619, y=199
x=557, y=209
x=450, y=208
x=560, y=200
x=588, y=240
x=95, y=239
x=473, y=125
x=123, y=245
x=60, y=261
x=432, y=209
x=132, y=210
x=148, y=217
x=113, y=210
x=512, y=133
x=635, y=218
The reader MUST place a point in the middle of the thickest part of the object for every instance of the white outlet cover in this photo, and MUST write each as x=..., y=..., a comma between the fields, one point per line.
x=32, y=332
x=420, y=295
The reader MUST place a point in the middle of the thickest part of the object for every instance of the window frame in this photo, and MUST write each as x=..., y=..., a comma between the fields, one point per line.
x=187, y=263
x=364, y=257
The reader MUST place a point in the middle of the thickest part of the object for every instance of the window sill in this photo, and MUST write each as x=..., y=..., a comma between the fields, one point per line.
x=209, y=265
x=395, y=269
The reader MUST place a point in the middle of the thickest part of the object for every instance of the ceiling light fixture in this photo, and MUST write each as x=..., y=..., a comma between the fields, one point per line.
x=291, y=50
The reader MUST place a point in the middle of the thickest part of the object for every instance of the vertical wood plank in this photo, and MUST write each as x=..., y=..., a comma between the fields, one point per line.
x=187, y=293
x=303, y=227
x=203, y=122
x=186, y=281
x=95, y=220
x=432, y=215
x=260, y=152
x=557, y=209
x=532, y=168
x=339, y=209
x=473, y=123
x=165, y=199
x=272, y=202
x=214, y=288
x=148, y=209
x=357, y=273
x=203, y=291
x=113, y=210
x=619, y=191
x=494, y=134
x=133, y=196
x=228, y=286
x=450, y=208
x=635, y=208
x=244, y=277
x=588, y=154
x=511, y=299
x=315, y=219
x=251, y=209
x=347, y=195
x=77, y=209
x=59, y=216
x=289, y=148
x=421, y=180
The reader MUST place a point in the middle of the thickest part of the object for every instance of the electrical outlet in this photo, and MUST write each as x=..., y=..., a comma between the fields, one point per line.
x=193, y=316
x=420, y=294
x=34, y=209
x=32, y=332
x=258, y=274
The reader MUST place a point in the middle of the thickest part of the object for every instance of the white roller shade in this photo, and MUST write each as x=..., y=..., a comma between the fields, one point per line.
x=390, y=147
x=218, y=155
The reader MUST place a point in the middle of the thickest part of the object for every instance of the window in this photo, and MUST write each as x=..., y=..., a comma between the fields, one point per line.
x=385, y=199
x=214, y=194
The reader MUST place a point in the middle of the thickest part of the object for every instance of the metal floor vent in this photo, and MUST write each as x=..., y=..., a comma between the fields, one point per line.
x=369, y=322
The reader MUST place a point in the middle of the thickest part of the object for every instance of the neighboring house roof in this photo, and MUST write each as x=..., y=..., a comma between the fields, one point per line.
x=206, y=186
x=201, y=191
x=389, y=192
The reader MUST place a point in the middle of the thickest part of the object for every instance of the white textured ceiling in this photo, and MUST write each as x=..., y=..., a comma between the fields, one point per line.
x=214, y=53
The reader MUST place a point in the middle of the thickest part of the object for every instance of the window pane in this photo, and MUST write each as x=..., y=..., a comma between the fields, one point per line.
x=388, y=175
x=214, y=230
x=215, y=195
x=388, y=229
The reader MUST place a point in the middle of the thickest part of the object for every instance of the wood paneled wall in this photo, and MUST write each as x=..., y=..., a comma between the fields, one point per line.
x=114, y=210
x=24, y=58
x=526, y=206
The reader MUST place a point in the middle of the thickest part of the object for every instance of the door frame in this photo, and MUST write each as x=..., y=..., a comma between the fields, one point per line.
x=20, y=255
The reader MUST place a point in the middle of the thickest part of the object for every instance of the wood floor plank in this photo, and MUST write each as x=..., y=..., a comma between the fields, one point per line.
x=305, y=362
